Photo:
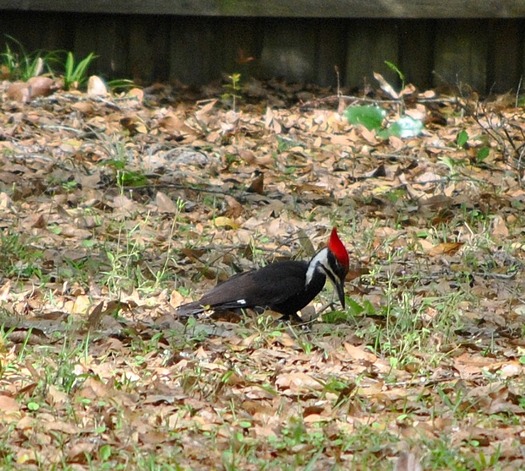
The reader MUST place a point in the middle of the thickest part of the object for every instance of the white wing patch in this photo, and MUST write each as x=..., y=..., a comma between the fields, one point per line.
x=241, y=301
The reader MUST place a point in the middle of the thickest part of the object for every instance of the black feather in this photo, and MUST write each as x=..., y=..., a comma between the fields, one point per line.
x=280, y=287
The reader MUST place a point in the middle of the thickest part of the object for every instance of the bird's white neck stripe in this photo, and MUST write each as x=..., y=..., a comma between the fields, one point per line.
x=320, y=258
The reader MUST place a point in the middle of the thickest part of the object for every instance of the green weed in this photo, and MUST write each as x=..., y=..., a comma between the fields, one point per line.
x=233, y=88
x=18, y=64
x=75, y=73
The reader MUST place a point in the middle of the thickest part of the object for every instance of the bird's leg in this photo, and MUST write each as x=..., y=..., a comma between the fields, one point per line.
x=295, y=319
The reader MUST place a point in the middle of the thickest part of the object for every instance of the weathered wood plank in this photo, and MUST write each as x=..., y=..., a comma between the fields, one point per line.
x=289, y=51
x=194, y=50
x=45, y=31
x=330, y=51
x=241, y=42
x=369, y=44
x=286, y=8
x=416, y=51
x=107, y=37
x=505, y=62
x=461, y=53
x=148, y=49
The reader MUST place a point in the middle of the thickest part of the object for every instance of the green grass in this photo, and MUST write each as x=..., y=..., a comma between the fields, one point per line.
x=18, y=64
x=20, y=258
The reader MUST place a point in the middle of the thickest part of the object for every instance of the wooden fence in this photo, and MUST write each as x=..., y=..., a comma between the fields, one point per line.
x=196, y=42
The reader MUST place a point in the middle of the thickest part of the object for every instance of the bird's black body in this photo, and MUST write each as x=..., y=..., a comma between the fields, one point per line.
x=284, y=287
x=280, y=287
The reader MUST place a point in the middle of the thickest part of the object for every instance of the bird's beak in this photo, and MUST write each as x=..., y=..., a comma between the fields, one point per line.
x=340, y=287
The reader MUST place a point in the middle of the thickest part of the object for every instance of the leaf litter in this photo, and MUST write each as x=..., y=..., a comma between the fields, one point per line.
x=115, y=209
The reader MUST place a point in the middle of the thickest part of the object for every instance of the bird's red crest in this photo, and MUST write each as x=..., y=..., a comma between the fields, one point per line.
x=338, y=249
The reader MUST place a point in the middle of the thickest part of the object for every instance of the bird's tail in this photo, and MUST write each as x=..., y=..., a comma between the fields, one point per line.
x=189, y=309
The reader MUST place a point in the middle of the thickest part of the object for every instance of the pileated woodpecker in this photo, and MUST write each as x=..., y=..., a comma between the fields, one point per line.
x=284, y=287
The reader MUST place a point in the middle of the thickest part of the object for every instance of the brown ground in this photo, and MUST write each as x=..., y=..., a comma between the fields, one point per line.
x=114, y=210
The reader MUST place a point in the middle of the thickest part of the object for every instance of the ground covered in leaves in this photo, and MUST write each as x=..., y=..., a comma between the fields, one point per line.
x=116, y=209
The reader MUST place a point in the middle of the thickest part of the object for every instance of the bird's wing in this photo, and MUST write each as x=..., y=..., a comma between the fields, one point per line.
x=268, y=286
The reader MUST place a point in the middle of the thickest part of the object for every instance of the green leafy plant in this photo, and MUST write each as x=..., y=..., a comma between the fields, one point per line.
x=75, y=73
x=482, y=154
x=232, y=88
x=118, y=159
x=462, y=139
x=462, y=142
x=393, y=67
x=353, y=309
x=372, y=117
x=17, y=64
x=121, y=85
x=131, y=178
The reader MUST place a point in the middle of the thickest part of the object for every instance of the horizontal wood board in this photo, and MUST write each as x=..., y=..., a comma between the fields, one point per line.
x=285, y=8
